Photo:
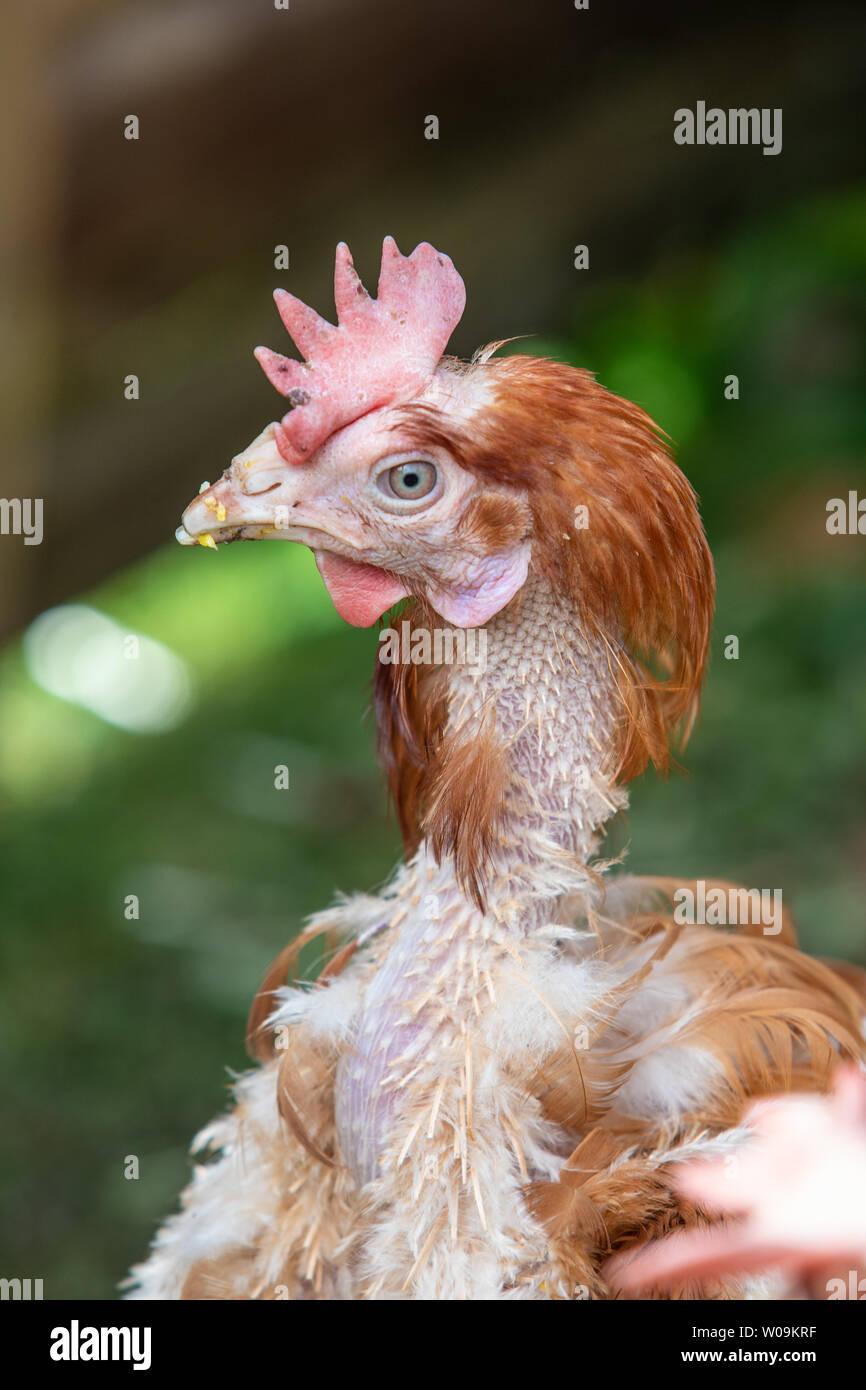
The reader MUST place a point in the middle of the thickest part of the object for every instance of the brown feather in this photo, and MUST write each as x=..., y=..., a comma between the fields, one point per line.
x=305, y=1098
x=228, y=1277
x=641, y=576
x=410, y=704
x=775, y=1020
x=641, y=572
x=259, y=1044
x=260, y=1041
x=465, y=804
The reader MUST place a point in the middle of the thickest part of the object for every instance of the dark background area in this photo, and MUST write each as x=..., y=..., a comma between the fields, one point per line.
x=155, y=257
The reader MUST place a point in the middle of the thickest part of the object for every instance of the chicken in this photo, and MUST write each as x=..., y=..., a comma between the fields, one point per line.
x=483, y=1094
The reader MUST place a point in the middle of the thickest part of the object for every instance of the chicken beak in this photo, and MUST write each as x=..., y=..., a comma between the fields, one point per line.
x=256, y=499
x=235, y=507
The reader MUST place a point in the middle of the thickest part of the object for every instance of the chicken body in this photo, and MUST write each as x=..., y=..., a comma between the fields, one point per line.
x=436, y=1093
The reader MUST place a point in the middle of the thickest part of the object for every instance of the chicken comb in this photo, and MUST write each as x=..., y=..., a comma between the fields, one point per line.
x=380, y=350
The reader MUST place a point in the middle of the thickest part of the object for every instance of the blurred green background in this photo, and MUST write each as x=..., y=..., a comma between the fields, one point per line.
x=154, y=777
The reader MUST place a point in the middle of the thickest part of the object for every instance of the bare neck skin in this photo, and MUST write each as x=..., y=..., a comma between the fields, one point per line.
x=548, y=698
x=548, y=695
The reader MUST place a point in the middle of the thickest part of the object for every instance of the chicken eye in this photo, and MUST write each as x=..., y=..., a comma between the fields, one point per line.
x=409, y=481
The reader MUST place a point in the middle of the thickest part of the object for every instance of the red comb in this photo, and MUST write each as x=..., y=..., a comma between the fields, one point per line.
x=381, y=350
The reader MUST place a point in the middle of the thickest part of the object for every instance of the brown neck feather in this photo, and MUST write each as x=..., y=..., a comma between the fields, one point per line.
x=619, y=551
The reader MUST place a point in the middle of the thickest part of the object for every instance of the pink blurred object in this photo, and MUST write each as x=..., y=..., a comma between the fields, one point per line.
x=798, y=1188
x=381, y=350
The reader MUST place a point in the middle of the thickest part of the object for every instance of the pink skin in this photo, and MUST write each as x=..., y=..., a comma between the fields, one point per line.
x=371, y=547
x=360, y=593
